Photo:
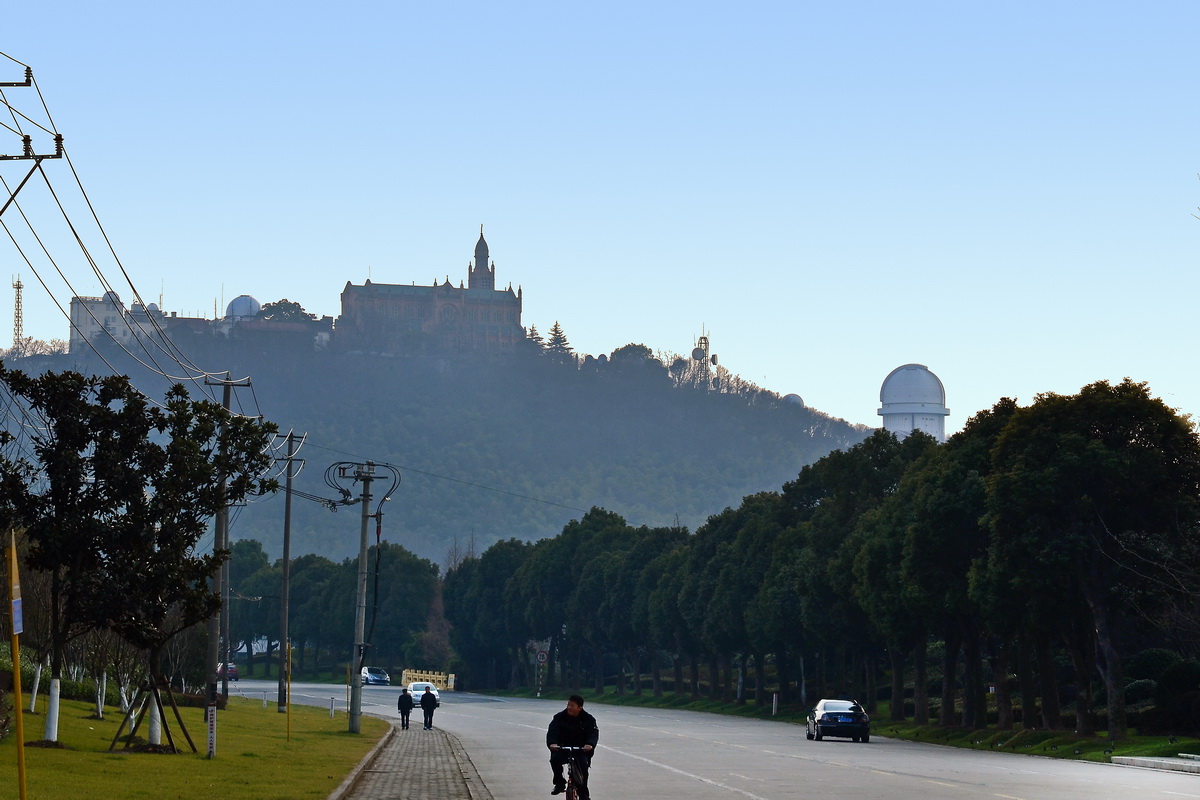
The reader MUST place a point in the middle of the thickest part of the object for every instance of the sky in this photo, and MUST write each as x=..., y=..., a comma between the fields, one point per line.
x=1001, y=192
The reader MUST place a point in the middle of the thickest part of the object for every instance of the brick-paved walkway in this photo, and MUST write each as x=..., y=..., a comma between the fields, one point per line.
x=414, y=764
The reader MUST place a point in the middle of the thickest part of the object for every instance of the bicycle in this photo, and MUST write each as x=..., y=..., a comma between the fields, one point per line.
x=574, y=773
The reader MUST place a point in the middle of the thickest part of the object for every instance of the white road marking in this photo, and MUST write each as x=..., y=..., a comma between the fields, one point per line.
x=700, y=778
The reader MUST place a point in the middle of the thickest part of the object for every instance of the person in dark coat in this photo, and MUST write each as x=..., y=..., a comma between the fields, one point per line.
x=428, y=703
x=572, y=727
x=404, y=704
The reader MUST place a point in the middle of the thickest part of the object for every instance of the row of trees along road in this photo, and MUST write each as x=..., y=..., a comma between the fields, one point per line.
x=113, y=494
x=1061, y=532
x=405, y=624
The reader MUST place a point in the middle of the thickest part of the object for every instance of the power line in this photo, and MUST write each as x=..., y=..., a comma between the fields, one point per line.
x=485, y=487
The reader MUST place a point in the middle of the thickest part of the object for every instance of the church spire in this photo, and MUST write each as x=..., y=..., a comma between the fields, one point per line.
x=481, y=276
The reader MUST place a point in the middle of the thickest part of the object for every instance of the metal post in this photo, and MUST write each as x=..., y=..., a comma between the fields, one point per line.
x=222, y=538
x=364, y=473
x=287, y=567
x=216, y=654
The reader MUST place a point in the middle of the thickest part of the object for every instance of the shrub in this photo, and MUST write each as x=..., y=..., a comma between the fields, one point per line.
x=1150, y=664
x=1176, y=681
x=1177, y=697
x=1140, y=690
x=6, y=714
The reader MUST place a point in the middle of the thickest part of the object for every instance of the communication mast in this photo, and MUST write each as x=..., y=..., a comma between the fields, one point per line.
x=18, y=313
x=701, y=355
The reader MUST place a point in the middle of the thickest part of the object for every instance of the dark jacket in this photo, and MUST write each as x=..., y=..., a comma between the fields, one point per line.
x=405, y=702
x=428, y=701
x=568, y=731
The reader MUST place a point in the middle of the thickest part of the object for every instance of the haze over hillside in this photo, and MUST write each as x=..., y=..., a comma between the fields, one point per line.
x=490, y=449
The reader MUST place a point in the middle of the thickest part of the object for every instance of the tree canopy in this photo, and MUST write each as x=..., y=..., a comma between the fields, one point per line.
x=115, y=493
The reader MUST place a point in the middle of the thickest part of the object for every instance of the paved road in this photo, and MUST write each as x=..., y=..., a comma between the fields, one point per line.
x=677, y=754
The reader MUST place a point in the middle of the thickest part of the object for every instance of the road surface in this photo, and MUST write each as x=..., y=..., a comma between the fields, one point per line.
x=653, y=753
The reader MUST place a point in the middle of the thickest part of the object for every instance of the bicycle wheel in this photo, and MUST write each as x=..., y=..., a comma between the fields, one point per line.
x=574, y=780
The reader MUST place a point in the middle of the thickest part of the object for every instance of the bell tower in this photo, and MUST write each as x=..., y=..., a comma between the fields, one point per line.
x=482, y=275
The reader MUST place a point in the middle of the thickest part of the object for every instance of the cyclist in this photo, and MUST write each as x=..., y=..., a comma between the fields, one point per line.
x=572, y=727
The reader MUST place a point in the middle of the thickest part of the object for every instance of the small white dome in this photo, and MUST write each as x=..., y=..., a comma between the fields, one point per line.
x=242, y=306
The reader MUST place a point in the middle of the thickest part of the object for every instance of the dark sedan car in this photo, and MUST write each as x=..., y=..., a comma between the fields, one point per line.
x=844, y=718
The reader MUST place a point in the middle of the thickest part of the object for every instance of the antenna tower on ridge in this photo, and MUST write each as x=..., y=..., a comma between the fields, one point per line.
x=705, y=358
x=18, y=313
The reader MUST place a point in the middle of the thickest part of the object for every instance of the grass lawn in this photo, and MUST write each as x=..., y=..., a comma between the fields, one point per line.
x=254, y=761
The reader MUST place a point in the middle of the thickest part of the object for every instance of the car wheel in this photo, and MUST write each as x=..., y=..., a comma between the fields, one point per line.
x=866, y=738
x=817, y=735
x=808, y=735
x=854, y=738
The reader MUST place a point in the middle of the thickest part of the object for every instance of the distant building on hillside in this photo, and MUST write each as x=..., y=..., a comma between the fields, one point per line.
x=104, y=321
x=437, y=320
x=913, y=399
x=441, y=319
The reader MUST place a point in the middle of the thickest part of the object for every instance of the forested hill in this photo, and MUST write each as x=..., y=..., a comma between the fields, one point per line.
x=490, y=450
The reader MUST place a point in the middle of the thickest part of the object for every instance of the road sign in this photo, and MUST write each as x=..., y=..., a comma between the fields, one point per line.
x=542, y=656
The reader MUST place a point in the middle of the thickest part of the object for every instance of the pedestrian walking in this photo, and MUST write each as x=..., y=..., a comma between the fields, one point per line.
x=404, y=704
x=428, y=703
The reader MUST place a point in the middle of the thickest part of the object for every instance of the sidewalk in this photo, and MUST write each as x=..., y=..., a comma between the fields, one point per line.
x=414, y=765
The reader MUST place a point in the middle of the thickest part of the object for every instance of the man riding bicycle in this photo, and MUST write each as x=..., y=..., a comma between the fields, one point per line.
x=572, y=727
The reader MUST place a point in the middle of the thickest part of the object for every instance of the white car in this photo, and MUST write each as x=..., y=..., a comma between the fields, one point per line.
x=417, y=688
x=376, y=676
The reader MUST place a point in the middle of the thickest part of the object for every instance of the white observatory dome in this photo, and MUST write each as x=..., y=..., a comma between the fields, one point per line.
x=913, y=398
x=242, y=306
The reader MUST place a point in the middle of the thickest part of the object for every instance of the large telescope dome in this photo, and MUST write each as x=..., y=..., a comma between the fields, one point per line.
x=913, y=398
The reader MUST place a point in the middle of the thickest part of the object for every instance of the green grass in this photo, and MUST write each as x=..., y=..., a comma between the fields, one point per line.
x=254, y=760
x=1052, y=744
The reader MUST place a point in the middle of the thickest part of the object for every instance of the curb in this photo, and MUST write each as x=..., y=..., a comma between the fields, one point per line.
x=346, y=786
x=466, y=766
x=1181, y=764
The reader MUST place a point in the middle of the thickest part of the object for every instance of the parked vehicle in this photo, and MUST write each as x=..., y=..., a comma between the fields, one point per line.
x=417, y=688
x=229, y=669
x=375, y=676
x=844, y=718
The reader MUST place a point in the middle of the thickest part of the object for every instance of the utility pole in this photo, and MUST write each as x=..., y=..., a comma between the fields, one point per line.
x=27, y=153
x=282, y=693
x=366, y=474
x=218, y=624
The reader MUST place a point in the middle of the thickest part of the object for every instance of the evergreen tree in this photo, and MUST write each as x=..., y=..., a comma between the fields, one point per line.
x=557, y=345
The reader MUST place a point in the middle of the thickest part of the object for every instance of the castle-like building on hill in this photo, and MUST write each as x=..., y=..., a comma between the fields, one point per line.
x=436, y=320
x=441, y=320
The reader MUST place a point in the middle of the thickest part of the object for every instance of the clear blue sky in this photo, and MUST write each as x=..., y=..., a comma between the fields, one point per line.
x=1001, y=192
